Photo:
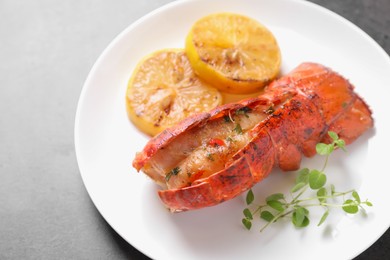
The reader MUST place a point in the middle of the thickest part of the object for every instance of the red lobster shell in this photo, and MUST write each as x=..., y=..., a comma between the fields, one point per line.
x=292, y=115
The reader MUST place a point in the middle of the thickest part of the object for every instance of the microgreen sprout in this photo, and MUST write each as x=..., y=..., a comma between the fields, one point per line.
x=277, y=206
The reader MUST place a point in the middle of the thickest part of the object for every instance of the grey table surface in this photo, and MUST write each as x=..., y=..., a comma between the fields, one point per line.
x=47, y=48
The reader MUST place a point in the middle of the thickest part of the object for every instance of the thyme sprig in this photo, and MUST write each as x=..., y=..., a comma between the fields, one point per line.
x=278, y=207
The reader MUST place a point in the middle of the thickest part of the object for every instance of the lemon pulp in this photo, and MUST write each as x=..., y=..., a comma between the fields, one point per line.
x=164, y=90
x=232, y=52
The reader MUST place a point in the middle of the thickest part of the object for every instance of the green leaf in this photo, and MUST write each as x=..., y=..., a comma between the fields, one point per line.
x=350, y=206
x=300, y=217
x=322, y=193
x=275, y=204
x=298, y=186
x=305, y=222
x=247, y=214
x=324, y=149
x=275, y=196
x=303, y=176
x=368, y=203
x=324, y=217
x=267, y=216
x=249, y=197
x=356, y=196
x=340, y=143
x=317, y=179
x=247, y=223
x=333, y=135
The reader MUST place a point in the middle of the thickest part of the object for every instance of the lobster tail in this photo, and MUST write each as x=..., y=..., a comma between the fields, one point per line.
x=213, y=157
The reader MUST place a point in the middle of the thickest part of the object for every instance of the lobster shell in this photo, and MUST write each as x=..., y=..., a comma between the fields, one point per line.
x=314, y=100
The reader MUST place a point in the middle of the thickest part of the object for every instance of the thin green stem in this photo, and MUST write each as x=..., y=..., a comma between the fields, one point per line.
x=336, y=194
x=323, y=204
x=276, y=217
x=299, y=194
x=258, y=209
x=296, y=202
x=326, y=163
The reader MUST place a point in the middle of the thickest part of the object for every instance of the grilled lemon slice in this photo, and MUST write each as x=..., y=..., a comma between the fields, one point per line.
x=233, y=52
x=163, y=90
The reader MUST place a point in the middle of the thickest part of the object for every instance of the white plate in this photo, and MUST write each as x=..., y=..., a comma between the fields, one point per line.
x=106, y=141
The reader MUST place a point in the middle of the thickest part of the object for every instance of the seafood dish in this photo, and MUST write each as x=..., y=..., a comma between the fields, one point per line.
x=215, y=156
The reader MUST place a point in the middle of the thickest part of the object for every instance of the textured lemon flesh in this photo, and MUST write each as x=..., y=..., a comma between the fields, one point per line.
x=232, y=52
x=163, y=90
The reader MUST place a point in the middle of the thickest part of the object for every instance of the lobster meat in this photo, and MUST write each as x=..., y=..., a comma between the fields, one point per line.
x=212, y=157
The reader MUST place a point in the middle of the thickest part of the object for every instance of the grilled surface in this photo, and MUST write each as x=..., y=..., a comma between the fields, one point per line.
x=212, y=157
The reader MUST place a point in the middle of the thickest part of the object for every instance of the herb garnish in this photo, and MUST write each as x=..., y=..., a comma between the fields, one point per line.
x=238, y=129
x=277, y=206
x=210, y=156
x=174, y=171
x=227, y=119
x=243, y=111
x=229, y=139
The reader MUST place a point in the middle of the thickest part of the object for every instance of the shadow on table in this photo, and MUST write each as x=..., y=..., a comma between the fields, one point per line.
x=126, y=250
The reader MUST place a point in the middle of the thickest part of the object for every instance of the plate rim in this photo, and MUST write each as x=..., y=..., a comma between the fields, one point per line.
x=149, y=15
